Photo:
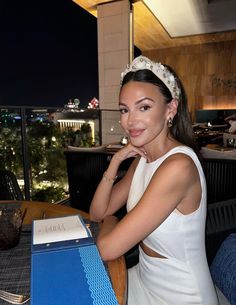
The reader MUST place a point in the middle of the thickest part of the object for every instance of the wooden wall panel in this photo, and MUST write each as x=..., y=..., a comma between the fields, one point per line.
x=208, y=73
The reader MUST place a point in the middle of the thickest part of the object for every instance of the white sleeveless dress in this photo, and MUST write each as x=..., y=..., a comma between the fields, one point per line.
x=183, y=278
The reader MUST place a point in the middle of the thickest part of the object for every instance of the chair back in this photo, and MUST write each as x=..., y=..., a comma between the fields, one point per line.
x=85, y=170
x=221, y=221
x=220, y=179
x=9, y=187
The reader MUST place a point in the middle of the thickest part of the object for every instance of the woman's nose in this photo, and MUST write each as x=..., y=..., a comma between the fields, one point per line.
x=131, y=119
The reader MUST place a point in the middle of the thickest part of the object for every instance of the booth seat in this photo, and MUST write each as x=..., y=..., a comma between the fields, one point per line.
x=220, y=178
x=221, y=248
x=85, y=169
x=223, y=271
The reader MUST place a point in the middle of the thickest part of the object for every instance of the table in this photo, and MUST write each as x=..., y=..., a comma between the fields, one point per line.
x=205, y=137
x=38, y=210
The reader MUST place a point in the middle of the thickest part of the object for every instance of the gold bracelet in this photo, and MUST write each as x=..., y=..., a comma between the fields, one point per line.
x=107, y=179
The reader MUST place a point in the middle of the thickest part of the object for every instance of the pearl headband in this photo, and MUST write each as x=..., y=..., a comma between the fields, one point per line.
x=142, y=62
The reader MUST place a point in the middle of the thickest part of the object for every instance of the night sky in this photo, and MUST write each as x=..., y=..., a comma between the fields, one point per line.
x=48, y=53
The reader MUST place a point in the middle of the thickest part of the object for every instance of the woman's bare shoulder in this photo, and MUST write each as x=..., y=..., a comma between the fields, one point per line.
x=179, y=159
x=178, y=164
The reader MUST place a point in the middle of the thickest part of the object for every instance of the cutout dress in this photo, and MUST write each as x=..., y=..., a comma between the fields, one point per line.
x=183, y=277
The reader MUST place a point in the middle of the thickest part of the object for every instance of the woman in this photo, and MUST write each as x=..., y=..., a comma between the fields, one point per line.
x=165, y=193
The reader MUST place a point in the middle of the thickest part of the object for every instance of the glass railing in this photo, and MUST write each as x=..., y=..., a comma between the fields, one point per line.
x=11, y=152
x=32, y=143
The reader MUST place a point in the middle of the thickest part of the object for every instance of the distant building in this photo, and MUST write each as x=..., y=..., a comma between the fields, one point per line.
x=74, y=120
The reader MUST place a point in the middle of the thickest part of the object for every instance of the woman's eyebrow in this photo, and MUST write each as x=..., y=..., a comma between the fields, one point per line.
x=144, y=98
x=138, y=101
x=122, y=104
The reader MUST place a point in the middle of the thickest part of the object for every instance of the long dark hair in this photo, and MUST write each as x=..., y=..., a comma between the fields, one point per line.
x=181, y=129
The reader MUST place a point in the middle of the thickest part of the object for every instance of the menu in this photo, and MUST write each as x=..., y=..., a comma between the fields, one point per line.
x=64, y=251
x=59, y=229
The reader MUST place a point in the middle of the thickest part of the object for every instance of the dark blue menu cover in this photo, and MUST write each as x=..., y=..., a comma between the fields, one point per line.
x=69, y=273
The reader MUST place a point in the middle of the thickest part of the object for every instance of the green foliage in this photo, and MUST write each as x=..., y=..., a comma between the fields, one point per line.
x=83, y=136
x=85, y=128
x=45, y=145
x=49, y=194
x=46, y=154
x=68, y=137
x=10, y=149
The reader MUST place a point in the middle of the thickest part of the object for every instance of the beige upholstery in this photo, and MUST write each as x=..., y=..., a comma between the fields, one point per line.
x=210, y=153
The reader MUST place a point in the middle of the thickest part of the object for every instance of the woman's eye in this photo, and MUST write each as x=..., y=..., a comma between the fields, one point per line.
x=123, y=110
x=145, y=108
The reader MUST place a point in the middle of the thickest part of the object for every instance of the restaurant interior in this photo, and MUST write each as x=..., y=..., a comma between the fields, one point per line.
x=204, y=56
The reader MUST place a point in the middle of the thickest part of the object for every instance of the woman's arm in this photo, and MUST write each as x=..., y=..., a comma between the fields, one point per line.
x=175, y=184
x=108, y=198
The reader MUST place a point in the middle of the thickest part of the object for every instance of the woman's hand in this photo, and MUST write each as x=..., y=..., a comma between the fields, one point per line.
x=108, y=199
x=129, y=151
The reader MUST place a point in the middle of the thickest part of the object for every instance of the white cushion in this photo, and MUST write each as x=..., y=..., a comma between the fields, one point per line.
x=210, y=153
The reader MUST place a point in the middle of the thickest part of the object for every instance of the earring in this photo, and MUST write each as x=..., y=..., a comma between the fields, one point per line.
x=169, y=122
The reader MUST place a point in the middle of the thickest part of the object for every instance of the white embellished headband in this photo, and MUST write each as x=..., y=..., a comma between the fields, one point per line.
x=142, y=62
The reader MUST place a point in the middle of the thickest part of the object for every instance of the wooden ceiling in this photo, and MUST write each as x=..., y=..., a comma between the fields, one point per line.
x=149, y=34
